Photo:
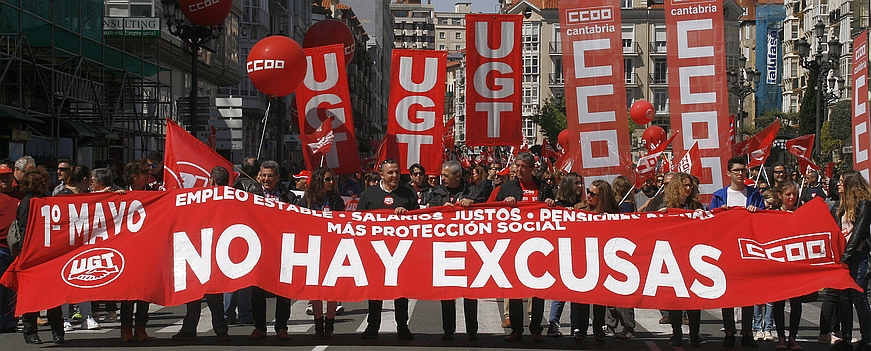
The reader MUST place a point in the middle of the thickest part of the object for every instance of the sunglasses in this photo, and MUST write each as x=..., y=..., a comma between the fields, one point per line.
x=152, y=165
x=417, y=174
x=779, y=172
x=328, y=179
x=63, y=169
x=591, y=194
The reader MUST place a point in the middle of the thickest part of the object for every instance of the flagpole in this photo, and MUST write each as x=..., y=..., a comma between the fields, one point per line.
x=626, y=196
x=265, y=119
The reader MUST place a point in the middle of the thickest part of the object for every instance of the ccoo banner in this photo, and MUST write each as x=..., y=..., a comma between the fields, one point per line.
x=861, y=136
x=168, y=248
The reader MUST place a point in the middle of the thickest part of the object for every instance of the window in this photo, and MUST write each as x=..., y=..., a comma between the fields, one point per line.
x=530, y=64
x=529, y=129
x=793, y=69
x=660, y=100
x=629, y=70
x=660, y=71
x=458, y=35
x=628, y=39
x=457, y=47
x=630, y=97
x=441, y=47
x=442, y=35
x=531, y=38
x=626, y=4
x=659, y=39
x=795, y=31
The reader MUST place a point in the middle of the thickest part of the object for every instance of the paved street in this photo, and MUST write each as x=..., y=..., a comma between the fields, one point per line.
x=425, y=323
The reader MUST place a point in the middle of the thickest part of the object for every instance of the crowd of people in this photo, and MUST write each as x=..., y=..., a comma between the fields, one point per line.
x=523, y=180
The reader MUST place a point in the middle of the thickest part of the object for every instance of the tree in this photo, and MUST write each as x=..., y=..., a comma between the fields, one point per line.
x=551, y=118
x=808, y=110
x=840, y=123
x=787, y=119
x=828, y=143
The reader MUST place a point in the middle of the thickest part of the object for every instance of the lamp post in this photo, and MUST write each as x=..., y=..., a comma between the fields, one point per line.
x=821, y=65
x=742, y=83
x=194, y=36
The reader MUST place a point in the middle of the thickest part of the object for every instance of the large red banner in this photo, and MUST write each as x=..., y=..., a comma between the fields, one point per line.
x=167, y=248
x=324, y=93
x=861, y=136
x=595, y=88
x=188, y=162
x=417, y=106
x=494, y=67
x=697, y=85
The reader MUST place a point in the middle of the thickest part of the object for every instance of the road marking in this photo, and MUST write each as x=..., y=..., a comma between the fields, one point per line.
x=320, y=348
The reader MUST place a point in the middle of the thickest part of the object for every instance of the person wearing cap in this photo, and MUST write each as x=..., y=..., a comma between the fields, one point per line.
x=10, y=197
x=7, y=184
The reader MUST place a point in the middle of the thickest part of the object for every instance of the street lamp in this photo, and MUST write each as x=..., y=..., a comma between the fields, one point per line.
x=742, y=83
x=821, y=65
x=194, y=36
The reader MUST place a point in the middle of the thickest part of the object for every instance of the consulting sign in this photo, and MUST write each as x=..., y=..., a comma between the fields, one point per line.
x=131, y=26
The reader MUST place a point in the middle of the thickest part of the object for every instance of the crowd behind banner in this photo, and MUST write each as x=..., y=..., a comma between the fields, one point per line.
x=522, y=179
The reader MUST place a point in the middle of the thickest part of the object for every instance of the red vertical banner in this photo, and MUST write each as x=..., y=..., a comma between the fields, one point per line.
x=595, y=88
x=697, y=94
x=324, y=93
x=861, y=136
x=494, y=67
x=417, y=103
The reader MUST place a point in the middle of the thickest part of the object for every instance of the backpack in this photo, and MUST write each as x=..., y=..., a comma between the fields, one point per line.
x=13, y=237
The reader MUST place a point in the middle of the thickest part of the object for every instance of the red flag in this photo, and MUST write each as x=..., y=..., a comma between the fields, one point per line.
x=665, y=167
x=547, y=150
x=801, y=148
x=449, y=139
x=647, y=165
x=830, y=170
x=464, y=161
x=188, y=161
x=691, y=162
x=213, y=137
x=759, y=141
x=318, y=144
x=732, y=129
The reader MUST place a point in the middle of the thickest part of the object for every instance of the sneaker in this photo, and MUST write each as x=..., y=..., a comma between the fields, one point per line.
x=767, y=336
x=90, y=324
x=340, y=309
x=553, y=330
x=608, y=330
x=758, y=335
x=579, y=337
x=309, y=310
x=68, y=327
x=111, y=316
x=625, y=335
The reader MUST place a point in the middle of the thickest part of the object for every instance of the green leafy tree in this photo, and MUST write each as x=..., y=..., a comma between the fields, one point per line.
x=808, y=110
x=551, y=118
x=840, y=123
x=828, y=143
x=787, y=122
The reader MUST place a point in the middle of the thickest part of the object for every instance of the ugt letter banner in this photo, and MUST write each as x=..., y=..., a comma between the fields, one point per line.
x=323, y=93
x=861, y=136
x=417, y=108
x=494, y=64
x=167, y=248
x=697, y=85
x=595, y=88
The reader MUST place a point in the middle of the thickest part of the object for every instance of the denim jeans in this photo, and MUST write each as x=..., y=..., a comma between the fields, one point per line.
x=858, y=264
x=556, y=311
x=7, y=296
x=760, y=322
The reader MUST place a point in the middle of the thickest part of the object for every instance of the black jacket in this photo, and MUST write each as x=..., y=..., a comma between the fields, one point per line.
x=861, y=231
x=249, y=185
x=512, y=188
x=440, y=195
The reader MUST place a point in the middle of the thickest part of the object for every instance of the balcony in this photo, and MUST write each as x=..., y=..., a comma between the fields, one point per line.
x=661, y=108
x=631, y=48
x=633, y=80
x=658, y=48
x=555, y=47
x=555, y=79
x=658, y=79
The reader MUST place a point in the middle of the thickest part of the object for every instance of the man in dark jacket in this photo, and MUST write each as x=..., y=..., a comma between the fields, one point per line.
x=241, y=299
x=525, y=187
x=454, y=192
x=247, y=180
x=388, y=194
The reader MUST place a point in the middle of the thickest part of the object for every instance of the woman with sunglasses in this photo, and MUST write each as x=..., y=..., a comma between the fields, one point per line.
x=569, y=194
x=683, y=193
x=853, y=212
x=323, y=195
x=600, y=199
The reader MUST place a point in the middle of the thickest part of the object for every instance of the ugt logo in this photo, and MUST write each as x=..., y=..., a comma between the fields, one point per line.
x=189, y=175
x=93, y=268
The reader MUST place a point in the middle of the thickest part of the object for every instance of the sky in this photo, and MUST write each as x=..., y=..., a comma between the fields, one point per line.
x=485, y=6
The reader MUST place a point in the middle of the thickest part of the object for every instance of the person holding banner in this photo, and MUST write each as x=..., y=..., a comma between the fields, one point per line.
x=219, y=176
x=269, y=176
x=388, y=194
x=788, y=197
x=601, y=198
x=738, y=194
x=683, y=193
x=454, y=192
x=525, y=187
x=35, y=183
x=853, y=212
x=137, y=175
x=569, y=194
x=323, y=195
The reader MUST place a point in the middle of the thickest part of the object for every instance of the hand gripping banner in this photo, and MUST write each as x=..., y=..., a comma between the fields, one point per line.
x=169, y=248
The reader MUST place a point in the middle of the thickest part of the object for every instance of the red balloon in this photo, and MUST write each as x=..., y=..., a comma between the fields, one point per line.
x=641, y=112
x=329, y=32
x=206, y=12
x=276, y=65
x=653, y=136
x=374, y=143
x=563, y=139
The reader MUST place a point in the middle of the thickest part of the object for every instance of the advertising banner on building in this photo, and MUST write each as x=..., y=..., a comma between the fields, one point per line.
x=595, y=88
x=494, y=70
x=170, y=248
x=698, y=96
x=323, y=94
x=415, y=125
x=861, y=134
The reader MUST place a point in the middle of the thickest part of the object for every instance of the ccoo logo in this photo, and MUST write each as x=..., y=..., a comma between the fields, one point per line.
x=93, y=268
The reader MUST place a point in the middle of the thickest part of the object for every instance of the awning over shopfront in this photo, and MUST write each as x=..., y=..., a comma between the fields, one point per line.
x=8, y=112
